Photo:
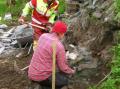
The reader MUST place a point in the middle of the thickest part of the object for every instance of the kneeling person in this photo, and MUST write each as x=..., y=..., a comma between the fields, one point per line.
x=40, y=69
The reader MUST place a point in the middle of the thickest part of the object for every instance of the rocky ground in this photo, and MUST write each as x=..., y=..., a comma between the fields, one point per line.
x=91, y=34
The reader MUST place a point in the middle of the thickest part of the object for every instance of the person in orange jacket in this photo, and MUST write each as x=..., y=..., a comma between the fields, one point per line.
x=43, y=14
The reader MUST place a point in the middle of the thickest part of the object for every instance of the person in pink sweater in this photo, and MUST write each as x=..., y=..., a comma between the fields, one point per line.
x=40, y=69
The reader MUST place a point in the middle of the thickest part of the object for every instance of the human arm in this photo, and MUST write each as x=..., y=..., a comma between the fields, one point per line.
x=62, y=61
x=29, y=6
x=54, y=12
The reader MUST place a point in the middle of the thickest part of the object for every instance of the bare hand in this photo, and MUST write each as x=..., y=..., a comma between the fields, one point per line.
x=21, y=20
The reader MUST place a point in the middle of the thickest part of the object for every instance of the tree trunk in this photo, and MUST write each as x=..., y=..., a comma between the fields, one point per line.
x=10, y=2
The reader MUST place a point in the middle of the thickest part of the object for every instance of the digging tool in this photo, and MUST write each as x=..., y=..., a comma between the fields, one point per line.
x=53, y=65
x=36, y=26
x=24, y=68
x=40, y=27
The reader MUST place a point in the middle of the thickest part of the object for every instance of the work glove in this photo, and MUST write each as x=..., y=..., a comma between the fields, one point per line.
x=21, y=20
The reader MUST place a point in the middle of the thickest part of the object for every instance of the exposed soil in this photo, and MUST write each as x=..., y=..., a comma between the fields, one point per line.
x=84, y=31
x=12, y=78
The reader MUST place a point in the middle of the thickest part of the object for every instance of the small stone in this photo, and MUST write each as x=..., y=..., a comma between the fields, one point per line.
x=71, y=45
x=1, y=31
x=65, y=87
x=70, y=87
x=106, y=19
x=2, y=49
x=3, y=26
x=97, y=15
x=14, y=42
x=72, y=56
x=8, y=16
x=19, y=55
x=4, y=88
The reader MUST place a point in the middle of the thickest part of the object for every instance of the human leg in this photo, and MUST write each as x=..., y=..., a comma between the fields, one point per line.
x=37, y=34
x=61, y=80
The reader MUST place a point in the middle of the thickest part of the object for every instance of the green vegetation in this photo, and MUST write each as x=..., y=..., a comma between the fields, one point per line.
x=2, y=7
x=62, y=6
x=113, y=80
x=16, y=9
x=117, y=4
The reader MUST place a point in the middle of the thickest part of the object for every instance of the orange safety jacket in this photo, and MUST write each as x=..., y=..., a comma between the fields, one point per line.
x=41, y=13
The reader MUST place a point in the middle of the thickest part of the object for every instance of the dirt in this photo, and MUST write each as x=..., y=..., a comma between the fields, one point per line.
x=9, y=77
x=97, y=37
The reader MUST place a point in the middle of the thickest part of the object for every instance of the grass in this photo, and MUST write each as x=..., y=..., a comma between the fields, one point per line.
x=3, y=7
x=17, y=9
x=14, y=10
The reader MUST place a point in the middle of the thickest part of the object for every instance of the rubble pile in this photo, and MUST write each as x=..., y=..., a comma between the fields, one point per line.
x=14, y=38
x=91, y=31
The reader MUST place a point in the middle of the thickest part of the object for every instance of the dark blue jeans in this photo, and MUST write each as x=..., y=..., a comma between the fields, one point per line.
x=61, y=80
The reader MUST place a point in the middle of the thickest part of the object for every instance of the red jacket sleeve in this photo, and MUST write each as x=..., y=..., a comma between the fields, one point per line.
x=33, y=3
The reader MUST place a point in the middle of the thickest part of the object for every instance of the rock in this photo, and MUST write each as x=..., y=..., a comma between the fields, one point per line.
x=1, y=31
x=4, y=88
x=91, y=7
x=24, y=35
x=2, y=49
x=14, y=42
x=90, y=65
x=8, y=33
x=87, y=73
x=70, y=87
x=72, y=7
x=84, y=54
x=3, y=26
x=8, y=16
x=71, y=45
x=94, y=2
x=6, y=40
x=19, y=55
x=97, y=15
x=72, y=56
x=65, y=87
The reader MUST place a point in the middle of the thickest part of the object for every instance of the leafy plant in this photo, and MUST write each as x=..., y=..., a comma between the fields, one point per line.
x=113, y=81
x=117, y=5
x=62, y=6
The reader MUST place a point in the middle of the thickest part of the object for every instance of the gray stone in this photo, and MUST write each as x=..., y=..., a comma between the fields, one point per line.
x=2, y=49
x=1, y=31
x=3, y=26
x=97, y=15
x=8, y=16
